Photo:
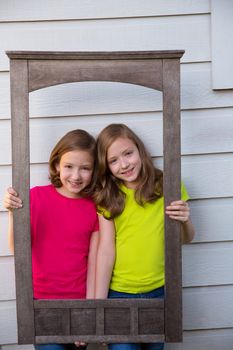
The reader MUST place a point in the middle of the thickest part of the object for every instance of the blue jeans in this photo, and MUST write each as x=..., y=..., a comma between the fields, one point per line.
x=57, y=347
x=157, y=293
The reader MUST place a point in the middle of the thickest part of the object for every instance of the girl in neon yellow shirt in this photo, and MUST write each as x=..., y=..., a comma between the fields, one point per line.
x=130, y=261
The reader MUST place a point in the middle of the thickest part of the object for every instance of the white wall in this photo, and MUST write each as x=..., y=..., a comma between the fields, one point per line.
x=207, y=134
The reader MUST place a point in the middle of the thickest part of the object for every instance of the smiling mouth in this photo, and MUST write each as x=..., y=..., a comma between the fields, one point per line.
x=128, y=172
x=75, y=184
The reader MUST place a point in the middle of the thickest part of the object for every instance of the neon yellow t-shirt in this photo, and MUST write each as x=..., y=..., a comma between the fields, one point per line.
x=139, y=264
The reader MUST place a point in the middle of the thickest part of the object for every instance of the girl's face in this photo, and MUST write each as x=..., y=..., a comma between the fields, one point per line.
x=76, y=168
x=124, y=161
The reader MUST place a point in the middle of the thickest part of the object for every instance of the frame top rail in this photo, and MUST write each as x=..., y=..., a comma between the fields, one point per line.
x=94, y=55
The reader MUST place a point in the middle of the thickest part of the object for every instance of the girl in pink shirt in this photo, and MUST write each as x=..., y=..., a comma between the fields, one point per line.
x=64, y=224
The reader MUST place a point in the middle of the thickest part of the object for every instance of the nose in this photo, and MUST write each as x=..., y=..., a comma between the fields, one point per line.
x=124, y=163
x=76, y=174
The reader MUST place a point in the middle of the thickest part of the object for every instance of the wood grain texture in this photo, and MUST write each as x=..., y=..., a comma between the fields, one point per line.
x=22, y=238
x=119, y=68
x=203, y=308
x=93, y=55
x=95, y=320
x=171, y=188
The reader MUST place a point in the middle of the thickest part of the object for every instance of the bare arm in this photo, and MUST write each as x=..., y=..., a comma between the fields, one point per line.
x=11, y=201
x=105, y=257
x=180, y=211
x=10, y=232
x=187, y=232
x=91, y=265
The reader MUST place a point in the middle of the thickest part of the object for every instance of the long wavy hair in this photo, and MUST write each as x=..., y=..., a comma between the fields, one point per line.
x=108, y=194
x=74, y=140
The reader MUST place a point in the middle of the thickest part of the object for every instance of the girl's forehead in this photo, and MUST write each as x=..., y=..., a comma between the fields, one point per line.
x=77, y=153
x=122, y=140
x=120, y=144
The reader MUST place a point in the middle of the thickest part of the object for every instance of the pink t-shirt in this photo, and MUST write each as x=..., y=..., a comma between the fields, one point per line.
x=61, y=230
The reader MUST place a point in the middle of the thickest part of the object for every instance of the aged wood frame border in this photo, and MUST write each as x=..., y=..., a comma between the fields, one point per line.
x=101, y=320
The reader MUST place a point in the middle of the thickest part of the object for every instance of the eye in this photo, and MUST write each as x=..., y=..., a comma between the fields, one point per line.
x=68, y=166
x=112, y=161
x=86, y=168
x=128, y=153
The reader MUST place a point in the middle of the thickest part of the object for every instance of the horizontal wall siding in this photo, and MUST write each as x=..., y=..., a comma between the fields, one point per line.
x=207, y=217
x=201, y=131
x=199, y=340
x=192, y=340
x=7, y=291
x=33, y=10
x=4, y=95
x=206, y=130
x=106, y=98
x=106, y=35
x=208, y=264
x=222, y=51
x=17, y=347
x=8, y=322
x=208, y=307
x=4, y=249
x=208, y=176
x=197, y=172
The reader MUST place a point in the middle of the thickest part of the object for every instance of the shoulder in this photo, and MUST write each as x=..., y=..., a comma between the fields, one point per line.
x=184, y=192
x=41, y=190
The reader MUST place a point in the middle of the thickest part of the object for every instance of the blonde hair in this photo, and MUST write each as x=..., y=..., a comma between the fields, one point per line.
x=108, y=194
x=74, y=140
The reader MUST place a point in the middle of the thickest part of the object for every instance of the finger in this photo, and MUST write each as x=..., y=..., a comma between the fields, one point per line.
x=178, y=205
x=177, y=209
x=10, y=190
x=181, y=215
x=179, y=202
x=12, y=198
x=178, y=218
x=12, y=206
x=80, y=344
x=12, y=203
x=178, y=213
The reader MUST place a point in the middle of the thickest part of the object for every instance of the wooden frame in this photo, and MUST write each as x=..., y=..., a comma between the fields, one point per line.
x=63, y=321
